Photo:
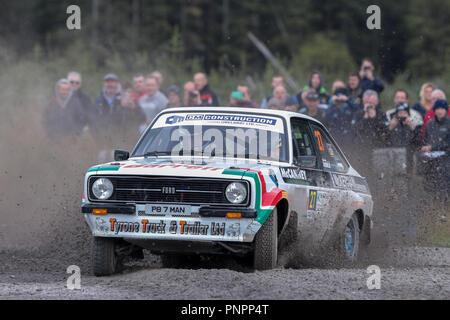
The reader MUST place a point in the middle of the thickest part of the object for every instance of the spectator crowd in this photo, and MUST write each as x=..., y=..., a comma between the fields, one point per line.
x=351, y=111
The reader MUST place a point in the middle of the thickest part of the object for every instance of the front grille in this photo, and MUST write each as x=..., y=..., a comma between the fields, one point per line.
x=137, y=189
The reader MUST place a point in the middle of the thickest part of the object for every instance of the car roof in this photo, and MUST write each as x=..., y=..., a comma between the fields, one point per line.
x=282, y=113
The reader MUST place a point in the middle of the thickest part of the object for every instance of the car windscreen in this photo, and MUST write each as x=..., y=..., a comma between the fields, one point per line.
x=220, y=135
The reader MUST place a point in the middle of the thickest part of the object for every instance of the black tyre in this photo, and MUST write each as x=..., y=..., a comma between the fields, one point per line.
x=104, y=257
x=266, y=244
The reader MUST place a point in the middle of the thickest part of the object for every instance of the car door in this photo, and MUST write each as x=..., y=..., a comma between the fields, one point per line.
x=332, y=196
x=301, y=180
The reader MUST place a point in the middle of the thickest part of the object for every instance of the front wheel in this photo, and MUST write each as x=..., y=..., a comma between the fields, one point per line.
x=104, y=257
x=266, y=244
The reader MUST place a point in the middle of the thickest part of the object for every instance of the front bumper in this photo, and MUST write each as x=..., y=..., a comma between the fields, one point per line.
x=205, y=223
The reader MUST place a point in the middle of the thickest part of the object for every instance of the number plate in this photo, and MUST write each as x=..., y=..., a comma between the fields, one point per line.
x=168, y=209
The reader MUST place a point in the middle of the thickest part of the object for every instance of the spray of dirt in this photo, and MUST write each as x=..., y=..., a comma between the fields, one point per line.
x=42, y=183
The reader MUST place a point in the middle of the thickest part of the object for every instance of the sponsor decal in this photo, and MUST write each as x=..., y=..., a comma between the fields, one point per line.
x=149, y=227
x=101, y=224
x=195, y=228
x=217, y=229
x=293, y=173
x=234, y=230
x=323, y=200
x=341, y=181
x=222, y=119
x=311, y=214
x=118, y=226
x=340, y=167
x=273, y=177
x=174, y=227
x=330, y=150
x=172, y=166
x=174, y=119
x=347, y=182
x=114, y=167
x=326, y=164
x=232, y=118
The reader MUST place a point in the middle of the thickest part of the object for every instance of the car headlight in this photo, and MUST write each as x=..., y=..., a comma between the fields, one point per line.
x=102, y=188
x=236, y=192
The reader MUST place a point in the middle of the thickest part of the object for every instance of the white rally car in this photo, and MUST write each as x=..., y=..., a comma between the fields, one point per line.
x=227, y=180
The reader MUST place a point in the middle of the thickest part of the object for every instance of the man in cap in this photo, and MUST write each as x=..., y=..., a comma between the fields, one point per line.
x=311, y=101
x=111, y=114
x=109, y=99
x=437, y=140
x=436, y=94
x=437, y=132
x=291, y=104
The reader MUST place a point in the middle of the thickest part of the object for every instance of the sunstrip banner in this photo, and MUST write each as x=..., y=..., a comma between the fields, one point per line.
x=262, y=122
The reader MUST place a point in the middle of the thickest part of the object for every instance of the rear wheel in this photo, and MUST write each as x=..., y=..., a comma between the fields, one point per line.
x=349, y=242
x=266, y=244
x=104, y=257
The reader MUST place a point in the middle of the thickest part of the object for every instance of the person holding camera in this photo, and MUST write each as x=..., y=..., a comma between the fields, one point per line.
x=242, y=98
x=368, y=80
x=191, y=96
x=371, y=126
x=340, y=117
x=401, y=97
x=207, y=95
x=401, y=128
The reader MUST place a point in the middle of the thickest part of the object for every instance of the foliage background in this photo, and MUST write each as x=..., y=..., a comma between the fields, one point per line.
x=180, y=37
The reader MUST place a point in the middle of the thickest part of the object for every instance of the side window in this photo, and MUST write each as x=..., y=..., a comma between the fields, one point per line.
x=332, y=159
x=302, y=143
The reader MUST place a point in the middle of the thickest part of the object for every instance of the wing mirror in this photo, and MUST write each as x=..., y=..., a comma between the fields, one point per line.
x=121, y=155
